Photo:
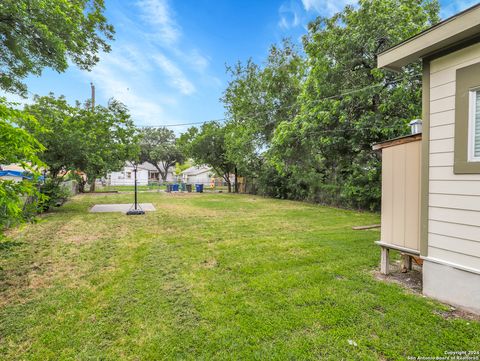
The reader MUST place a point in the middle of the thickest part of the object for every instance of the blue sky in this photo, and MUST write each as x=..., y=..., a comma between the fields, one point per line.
x=168, y=60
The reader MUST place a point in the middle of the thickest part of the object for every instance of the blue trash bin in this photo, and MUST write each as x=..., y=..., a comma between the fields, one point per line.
x=199, y=188
x=175, y=188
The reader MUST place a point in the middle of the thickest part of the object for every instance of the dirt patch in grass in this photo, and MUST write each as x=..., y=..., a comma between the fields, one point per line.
x=412, y=282
x=187, y=210
x=80, y=231
x=39, y=255
x=453, y=313
x=210, y=263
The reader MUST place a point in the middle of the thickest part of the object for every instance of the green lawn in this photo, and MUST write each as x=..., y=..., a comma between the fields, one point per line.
x=210, y=276
x=152, y=187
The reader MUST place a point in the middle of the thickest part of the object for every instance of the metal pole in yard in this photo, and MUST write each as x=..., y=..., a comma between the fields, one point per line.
x=137, y=210
x=135, y=174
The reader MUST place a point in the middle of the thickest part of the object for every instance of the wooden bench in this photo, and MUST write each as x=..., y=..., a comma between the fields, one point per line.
x=406, y=253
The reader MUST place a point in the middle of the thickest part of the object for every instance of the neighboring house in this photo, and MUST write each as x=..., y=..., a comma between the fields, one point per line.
x=154, y=174
x=197, y=175
x=431, y=182
x=14, y=172
x=126, y=177
x=146, y=173
x=13, y=175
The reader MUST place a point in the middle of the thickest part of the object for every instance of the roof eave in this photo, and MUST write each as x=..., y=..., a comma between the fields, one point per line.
x=446, y=34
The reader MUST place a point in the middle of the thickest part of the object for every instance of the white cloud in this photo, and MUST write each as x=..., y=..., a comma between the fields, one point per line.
x=140, y=71
x=142, y=109
x=158, y=14
x=326, y=7
x=176, y=76
x=124, y=74
x=15, y=100
x=198, y=61
x=289, y=15
x=164, y=31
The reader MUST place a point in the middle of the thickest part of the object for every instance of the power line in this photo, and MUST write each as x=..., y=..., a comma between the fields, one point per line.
x=348, y=92
x=182, y=124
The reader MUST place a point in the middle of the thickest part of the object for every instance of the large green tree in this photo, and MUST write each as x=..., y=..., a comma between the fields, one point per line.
x=257, y=99
x=208, y=146
x=109, y=139
x=16, y=146
x=35, y=34
x=159, y=147
x=79, y=138
x=61, y=136
x=347, y=103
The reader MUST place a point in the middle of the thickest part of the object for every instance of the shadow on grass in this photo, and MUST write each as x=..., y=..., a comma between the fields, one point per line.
x=7, y=245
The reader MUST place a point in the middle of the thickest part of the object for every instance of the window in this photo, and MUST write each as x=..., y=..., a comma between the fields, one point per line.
x=474, y=126
x=467, y=120
x=154, y=175
x=129, y=175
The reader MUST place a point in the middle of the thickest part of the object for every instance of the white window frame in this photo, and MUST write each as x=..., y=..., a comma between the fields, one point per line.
x=472, y=103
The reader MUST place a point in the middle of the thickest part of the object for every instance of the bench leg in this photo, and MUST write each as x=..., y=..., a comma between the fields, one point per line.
x=406, y=263
x=384, y=260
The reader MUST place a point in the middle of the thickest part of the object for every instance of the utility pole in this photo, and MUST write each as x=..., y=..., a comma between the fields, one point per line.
x=93, y=95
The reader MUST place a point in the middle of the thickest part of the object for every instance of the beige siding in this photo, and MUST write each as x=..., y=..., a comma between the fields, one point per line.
x=387, y=195
x=454, y=199
x=455, y=202
x=442, y=132
x=442, y=118
x=441, y=160
x=439, y=173
x=441, y=145
x=401, y=195
x=457, y=245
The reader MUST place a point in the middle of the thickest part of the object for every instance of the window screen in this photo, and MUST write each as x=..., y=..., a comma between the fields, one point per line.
x=476, y=125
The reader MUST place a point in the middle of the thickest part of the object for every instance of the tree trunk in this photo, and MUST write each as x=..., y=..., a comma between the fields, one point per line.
x=81, y=185
x=163, y=175
x=236, y=180
x=92, y=186
x=229, y=184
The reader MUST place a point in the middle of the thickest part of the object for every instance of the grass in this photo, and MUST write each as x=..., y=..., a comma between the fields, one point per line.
x=210, y=276
x=152, y=187
x=206, y=188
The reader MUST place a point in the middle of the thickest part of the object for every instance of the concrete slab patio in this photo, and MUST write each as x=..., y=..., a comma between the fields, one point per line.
x=120, y=207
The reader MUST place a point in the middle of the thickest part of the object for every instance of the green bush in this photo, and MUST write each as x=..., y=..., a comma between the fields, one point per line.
x=54, y=195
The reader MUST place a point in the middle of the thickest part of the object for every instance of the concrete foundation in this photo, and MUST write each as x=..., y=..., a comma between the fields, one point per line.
x=452, y=285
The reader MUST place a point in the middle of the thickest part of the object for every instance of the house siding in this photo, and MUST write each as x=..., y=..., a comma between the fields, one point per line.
x=202, y=178
x=119, y=178
x=454, y=199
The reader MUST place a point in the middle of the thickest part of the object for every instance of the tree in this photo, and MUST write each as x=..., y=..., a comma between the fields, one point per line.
x=257, y=99
x=159, y=147
x=109, y=139
x=49, y=33
x=61, y=136
x=16, y=146
x=208, y=146
x=78, y=138
x=347, y=103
